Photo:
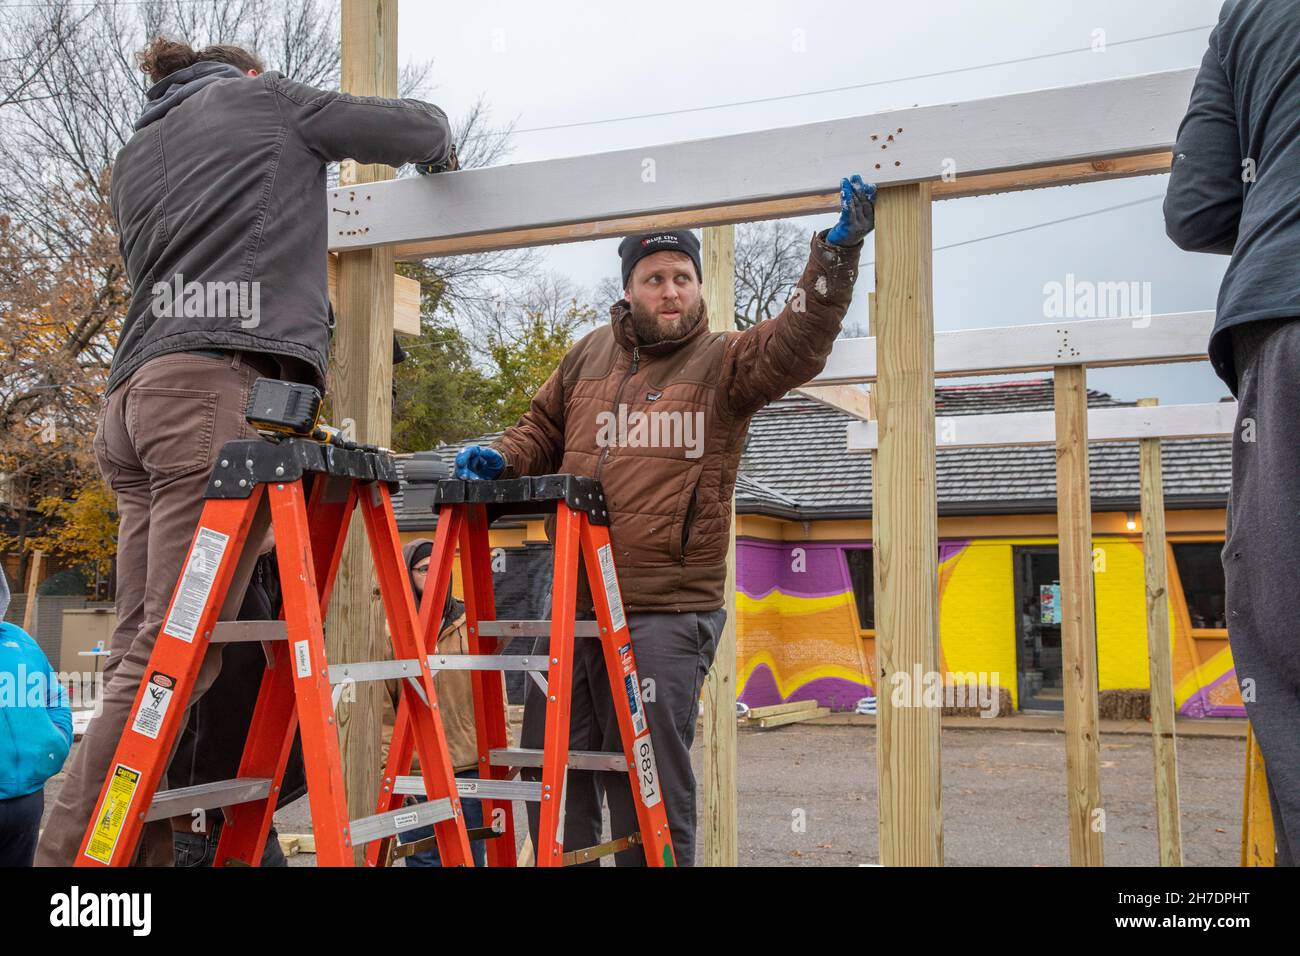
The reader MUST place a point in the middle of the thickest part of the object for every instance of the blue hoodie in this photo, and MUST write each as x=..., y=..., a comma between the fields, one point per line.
x=35, y=721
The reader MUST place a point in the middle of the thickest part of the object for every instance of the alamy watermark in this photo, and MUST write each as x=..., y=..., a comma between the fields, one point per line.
x=656, y=429
x=75, y=908
x=919, y=688
x=209, y=300
x=79, y=690
x=1085, y=299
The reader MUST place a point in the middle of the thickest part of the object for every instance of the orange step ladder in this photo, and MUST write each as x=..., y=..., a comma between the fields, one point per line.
x=310, y=490
x=465, y=509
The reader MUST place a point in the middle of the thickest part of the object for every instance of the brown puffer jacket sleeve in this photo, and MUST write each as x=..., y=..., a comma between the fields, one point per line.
x=535, y=444
x=765, y=361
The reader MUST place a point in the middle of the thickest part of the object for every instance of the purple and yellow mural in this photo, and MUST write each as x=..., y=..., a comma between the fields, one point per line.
x=799, y=637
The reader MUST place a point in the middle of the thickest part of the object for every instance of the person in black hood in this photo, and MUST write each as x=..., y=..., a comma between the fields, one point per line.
x=220, y=205
x=455, y=704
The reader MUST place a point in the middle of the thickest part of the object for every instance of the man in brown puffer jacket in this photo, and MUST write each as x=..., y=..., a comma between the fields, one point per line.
x=657, y=407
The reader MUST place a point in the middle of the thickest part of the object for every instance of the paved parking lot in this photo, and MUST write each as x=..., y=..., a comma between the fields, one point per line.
x=807, y=797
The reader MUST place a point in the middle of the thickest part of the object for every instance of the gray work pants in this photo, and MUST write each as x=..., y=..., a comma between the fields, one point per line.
x=1261, y=563
x=159, y=436
x=673, y=655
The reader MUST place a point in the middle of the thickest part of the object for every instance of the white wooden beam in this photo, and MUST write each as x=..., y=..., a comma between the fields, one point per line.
x=843, y=398
x=1211, y=420
x=584, y=197
x=1097, y=343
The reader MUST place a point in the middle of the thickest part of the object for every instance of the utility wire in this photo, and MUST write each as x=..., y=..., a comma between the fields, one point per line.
x=1039, y=225
x=858, y=86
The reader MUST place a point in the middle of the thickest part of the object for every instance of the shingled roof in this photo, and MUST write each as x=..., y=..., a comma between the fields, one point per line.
x=796, y=463
x=797, y=449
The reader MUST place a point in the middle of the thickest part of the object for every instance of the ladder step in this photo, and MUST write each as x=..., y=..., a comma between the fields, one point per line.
x=401, y=850
x=244, y=632
x=587, y=854
x=488, y=662
x=578, y=759
x=364, y=671
x=533, y=629
x=207, y=796
x=479, y=789
x=394, y=822
x=397, y=670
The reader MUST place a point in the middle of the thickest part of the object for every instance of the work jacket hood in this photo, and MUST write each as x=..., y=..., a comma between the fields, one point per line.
x=175, y=88
x=451, y=608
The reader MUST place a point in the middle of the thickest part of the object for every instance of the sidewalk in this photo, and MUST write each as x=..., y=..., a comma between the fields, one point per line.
x=1221, y=727
x=1212, y=727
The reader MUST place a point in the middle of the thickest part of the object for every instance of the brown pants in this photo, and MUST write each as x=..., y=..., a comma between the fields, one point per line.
x=159, y=436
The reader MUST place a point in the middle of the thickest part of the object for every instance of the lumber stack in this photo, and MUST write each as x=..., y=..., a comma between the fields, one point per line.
x=778, y=715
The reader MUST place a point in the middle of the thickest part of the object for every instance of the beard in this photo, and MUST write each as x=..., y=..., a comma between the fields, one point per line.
x=650, y=329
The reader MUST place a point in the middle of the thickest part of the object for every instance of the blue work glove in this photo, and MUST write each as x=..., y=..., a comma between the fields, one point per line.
x=479, y=462
x=857, y=212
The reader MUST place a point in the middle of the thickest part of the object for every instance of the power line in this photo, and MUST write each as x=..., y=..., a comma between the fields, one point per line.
x=1040, y=225
x=858, y=86
x=1050, y=222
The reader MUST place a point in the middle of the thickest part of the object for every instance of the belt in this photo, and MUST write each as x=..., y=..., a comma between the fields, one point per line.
x=261, y=361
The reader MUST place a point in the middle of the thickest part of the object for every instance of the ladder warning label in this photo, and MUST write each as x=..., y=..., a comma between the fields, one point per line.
x=647, y=774
x=634, y=704
x=302, y=658
x=196, y=584
x=112, y=812
x=406, y=820
x=610, y=580
x=153, y=707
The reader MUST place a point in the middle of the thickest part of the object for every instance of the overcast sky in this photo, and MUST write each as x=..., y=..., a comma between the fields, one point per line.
x=560, y=62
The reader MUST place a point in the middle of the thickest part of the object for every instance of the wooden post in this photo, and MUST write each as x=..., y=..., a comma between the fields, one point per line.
x=33, y=579
x=1258, y=847
x=1078, y=626
x=720, y=841
x=874, y=415
x=361, y=394
x=1163, y=740
x=905, y=521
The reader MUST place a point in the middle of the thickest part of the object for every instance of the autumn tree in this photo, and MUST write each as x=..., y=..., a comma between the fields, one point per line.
x=70, y=92
x=529, y=336
x=441, y=393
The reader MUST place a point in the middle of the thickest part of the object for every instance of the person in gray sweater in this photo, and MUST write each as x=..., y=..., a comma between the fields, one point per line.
x=1235, y=190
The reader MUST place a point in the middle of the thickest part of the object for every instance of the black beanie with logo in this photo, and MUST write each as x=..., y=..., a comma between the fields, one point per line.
x=635, y=248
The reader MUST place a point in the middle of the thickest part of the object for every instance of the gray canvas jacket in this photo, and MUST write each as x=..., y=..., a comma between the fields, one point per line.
x=223, y=184
x=1235, y=184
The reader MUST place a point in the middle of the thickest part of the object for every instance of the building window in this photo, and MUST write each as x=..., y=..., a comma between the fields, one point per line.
x=864, y=593
x=1200, y=570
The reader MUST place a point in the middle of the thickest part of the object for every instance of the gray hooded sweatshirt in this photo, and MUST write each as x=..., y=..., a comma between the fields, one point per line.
x=223, y=185
x=1235, y=184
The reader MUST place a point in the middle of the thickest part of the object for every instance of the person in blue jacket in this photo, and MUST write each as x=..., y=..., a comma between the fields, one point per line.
x=35, y=736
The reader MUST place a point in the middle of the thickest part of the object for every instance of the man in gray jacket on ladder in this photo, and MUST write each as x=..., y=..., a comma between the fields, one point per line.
x=220, y=203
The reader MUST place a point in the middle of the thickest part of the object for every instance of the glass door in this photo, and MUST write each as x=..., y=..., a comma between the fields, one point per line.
x=1038, y=628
